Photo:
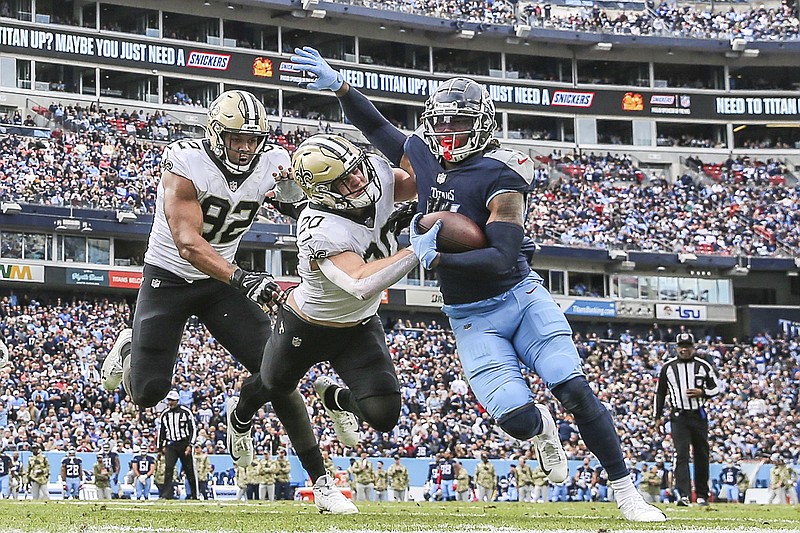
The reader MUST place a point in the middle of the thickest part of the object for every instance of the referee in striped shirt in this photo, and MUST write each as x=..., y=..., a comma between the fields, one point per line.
x=175, y=437
x=689, y=380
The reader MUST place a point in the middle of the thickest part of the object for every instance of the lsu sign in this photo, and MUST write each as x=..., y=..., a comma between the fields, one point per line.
x=679, y=311
x=22, y=273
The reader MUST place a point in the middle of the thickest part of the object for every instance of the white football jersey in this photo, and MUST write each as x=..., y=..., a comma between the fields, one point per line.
x=229, y=203
x=324, y=233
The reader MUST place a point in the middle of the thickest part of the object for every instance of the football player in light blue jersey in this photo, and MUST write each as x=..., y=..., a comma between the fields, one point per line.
x=501, y=314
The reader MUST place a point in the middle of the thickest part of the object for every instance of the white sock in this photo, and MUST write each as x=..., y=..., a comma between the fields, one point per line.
x=623, y=488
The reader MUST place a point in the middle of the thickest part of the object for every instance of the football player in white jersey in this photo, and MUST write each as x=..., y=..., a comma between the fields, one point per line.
x=347, y=256
x=208, y=197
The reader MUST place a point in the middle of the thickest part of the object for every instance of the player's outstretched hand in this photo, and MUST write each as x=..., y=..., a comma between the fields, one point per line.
x=424, y=244
x=401, y=217
x=308, y=59
x=259, y=287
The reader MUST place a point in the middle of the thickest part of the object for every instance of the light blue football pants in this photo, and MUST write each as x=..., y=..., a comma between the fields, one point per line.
x=497, y=336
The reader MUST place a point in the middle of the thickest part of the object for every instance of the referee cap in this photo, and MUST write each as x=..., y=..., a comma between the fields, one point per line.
x=684, y=338
x=173, y=395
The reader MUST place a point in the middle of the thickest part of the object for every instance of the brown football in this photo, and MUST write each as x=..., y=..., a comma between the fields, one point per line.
x=457, y=234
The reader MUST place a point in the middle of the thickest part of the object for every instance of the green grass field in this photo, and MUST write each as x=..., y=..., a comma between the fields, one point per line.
x=85, y=517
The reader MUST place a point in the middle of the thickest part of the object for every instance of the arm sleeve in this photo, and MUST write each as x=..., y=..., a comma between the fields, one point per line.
x=712, y=386
x=380, y=132
x=192, y=425
x=505, y=240
x=161, y=432
x=661, y=393
x=368, y=287
x=290, y=210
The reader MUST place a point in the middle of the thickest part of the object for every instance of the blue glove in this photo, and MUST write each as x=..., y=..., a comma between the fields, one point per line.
x=424, y=244
x=307, y=59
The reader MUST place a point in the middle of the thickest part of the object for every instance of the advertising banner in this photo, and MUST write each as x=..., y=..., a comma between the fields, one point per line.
x=270, y=68
x=86, y=276
x=124, y=279
x=424, y=297
x=572, y=306
x=678, y=311
x=21, y=272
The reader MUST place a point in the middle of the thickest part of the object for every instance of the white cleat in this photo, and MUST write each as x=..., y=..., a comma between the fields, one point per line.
x=329, y=499
x=345, y=423
x=111, y=372
x=240, y=445
x=635, y=509
x=549, y=451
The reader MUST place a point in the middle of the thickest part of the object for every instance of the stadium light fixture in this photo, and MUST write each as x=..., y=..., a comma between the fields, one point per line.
x=10, y=208
x=626, y=266
x=618, y=255
x=286, y=240
x=687, y=258
x=67, y=224
x=522, y=30
x=738, y=270
x=603, y=47
x=126, y=217
x=751, y=52
x=738, y=44
x=466, y=34
x=318, y=13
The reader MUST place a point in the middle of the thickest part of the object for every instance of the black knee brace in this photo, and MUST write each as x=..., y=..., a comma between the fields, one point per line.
x=380, y=412
x=523, y=422
x=577, y=397
x=151, y=391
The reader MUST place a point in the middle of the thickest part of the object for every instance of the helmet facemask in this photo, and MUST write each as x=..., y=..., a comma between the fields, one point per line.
x=322, y=166
x=458, y=119
x=236, y=113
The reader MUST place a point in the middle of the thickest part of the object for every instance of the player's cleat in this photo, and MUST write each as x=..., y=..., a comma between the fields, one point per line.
x=329, y=499
x=635, y=509
x=240, y=445
x=345, y=423
x=702, y=502
x=111, y=372
x=683, y=502
x=549, y=451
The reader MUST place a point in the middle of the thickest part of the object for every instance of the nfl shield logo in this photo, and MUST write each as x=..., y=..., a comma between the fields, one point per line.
x=155, y=283
x=441, y=177
x=686, y=101
x=233, y=185
x=296, y=341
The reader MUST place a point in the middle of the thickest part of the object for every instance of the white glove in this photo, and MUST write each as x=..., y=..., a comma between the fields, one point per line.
x=143, y=479
x=307, y=59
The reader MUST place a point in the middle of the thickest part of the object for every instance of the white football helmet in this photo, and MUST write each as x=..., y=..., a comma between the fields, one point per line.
x=237, y=112
x=465, y=103
x=321, y=160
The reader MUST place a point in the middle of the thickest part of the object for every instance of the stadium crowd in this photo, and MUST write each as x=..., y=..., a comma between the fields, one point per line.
x=91, y=164
x=51, y=393
x=740, y=209
x=666, y=19
x=736, y=208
